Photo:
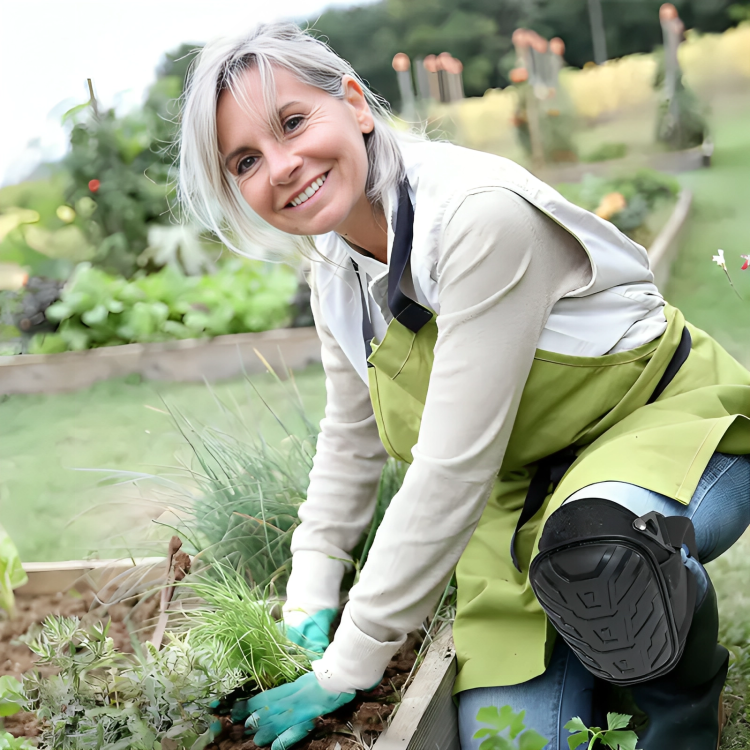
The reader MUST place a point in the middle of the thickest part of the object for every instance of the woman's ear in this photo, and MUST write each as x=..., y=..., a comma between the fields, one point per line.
x=354, y=96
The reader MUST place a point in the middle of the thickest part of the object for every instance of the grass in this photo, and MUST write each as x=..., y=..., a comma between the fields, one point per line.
x=720, y=219
x=121, y=425
x=730, y=574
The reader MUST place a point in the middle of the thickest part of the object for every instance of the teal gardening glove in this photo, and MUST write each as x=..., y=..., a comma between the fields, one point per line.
x=285, y=715
x=312, y=633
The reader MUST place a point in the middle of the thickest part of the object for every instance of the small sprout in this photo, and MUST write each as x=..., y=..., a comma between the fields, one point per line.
x=615, y=736
x=518, y=738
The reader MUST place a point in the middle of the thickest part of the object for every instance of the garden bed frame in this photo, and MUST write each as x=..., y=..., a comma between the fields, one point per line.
x=191, y=360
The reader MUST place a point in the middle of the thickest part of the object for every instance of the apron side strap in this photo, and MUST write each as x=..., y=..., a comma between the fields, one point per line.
x=677, y=361
x=549, y=471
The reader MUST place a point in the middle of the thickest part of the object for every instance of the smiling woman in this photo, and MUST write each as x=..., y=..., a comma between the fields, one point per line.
x=572, y=442
x=267, y=122
x=281, y=159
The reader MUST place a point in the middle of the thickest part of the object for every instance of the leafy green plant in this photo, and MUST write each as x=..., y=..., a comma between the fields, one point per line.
x=500, y=719
x=615, y=736
x=12, y=576
x=97, y=309
x=239, y=619
x=12, y=696
x=107, y=700
x=642, y=191
x=9, y=742
x=606, y=151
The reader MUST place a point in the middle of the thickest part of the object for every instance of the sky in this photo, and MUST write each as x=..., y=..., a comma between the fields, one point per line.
x=48, y=48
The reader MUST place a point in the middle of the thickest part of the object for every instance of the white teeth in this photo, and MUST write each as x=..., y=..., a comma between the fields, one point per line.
x=307, y=194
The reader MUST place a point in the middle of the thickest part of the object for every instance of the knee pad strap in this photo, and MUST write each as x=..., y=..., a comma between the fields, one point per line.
x=614, y=586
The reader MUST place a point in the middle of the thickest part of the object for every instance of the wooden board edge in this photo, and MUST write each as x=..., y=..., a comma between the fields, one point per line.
x=427, y=718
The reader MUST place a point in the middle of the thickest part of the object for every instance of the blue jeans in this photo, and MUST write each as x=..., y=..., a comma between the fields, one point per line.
x=720, y=511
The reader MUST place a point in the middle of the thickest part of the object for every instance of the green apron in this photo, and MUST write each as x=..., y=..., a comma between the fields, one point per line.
x=597, y=407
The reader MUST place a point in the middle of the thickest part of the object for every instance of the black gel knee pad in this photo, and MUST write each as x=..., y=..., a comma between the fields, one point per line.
x=615, y=587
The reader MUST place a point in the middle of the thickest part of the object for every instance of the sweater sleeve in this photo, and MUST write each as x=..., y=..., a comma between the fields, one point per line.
x=343, y=484
x=502, y=265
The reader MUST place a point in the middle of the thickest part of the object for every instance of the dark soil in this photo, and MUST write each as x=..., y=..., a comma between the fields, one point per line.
x=353, y=726
x=359, y=722
x=16, y=657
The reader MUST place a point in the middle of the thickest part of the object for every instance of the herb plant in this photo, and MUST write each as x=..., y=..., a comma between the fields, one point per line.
x=517, y=737
x=107, y=700
x=615, y=736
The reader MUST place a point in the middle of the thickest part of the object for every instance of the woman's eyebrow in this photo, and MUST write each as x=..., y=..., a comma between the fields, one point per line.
x=234, y=154
x=286, y=106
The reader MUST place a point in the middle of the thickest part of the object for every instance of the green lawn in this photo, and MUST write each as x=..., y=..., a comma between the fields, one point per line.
x=121, y=425
x=721, y=219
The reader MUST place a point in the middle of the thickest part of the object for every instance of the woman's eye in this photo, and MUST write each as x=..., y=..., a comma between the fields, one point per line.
x=292, y=123
x=246, y=163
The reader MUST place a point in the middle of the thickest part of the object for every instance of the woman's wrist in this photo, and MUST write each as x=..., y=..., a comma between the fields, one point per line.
x=314, y=585
x=354, y=660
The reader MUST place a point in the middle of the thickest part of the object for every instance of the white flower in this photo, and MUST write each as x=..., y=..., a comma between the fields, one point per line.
x=719, y=260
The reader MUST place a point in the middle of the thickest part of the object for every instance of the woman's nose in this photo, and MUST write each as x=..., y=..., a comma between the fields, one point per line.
x=283, y=165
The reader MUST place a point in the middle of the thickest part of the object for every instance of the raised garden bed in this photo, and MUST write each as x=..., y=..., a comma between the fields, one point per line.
x=425, y=716
x=192, y=360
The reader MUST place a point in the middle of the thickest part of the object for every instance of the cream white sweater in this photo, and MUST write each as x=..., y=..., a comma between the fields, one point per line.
x=503, y=265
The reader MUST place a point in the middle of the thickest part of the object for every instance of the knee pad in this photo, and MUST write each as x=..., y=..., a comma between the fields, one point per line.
x=615, y=588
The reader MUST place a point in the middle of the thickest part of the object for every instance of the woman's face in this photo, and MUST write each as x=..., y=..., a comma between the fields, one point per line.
x=311, y=179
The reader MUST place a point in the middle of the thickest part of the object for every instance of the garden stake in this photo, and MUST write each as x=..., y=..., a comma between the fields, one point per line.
x=178, y=566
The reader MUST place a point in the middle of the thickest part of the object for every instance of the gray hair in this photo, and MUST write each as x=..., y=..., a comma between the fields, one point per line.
x=208, y=191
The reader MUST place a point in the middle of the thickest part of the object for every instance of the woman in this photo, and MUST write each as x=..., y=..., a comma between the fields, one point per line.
x=577, y=450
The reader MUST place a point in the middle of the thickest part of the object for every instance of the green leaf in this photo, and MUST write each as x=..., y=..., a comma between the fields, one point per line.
x=618, y=721
x=516, y=724
x=619, y=740
x=576, y=725
x=58, y=311
x=485, y=732
x=95, y=316
x=12, y=574
x=579, y=738
x=532, y=740
x=497, y=742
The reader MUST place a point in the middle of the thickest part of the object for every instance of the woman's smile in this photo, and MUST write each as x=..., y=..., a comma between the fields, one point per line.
x=308, y=196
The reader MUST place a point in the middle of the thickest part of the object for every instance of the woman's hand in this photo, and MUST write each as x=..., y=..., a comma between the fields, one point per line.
x=285, y=715
x=312, y=634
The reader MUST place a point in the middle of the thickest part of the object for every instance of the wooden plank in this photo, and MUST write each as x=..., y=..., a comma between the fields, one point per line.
x=58, y=577
x=427, y=718
x=664, y=248
x=191, y=360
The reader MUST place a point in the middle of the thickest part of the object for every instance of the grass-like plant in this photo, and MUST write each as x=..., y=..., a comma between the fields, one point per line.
x=239, y=619
x=244, y=508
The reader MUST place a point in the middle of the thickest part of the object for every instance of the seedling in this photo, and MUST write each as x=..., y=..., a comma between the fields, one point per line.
x=615, y=736
x=518, y=737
